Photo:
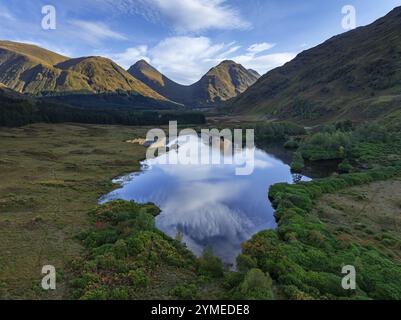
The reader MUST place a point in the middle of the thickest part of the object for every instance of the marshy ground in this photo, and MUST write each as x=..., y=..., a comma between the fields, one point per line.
x=51, y=175
x=368, y=214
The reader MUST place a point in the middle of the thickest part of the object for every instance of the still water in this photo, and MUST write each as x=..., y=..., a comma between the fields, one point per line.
x=209, y=205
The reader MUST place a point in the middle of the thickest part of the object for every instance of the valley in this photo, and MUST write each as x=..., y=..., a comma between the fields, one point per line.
x=78, y=192
x=51, y=223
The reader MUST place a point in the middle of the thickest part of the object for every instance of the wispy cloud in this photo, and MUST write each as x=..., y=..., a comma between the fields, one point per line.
x=94, y=32
x=254, y=59
x=6, y=14
x=186, y=15
x=186, y=59
x=260, y=47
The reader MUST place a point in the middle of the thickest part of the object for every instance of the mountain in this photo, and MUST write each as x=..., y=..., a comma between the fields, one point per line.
x=254, y=73
x=355, y=75
x=30, y=69
x=221, y=83
x=150, y=76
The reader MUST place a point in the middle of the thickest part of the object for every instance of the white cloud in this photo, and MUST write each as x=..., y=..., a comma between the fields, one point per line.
x=94, y=32
x=186, y=15
x=264, y=63
x=260, y=47
x=186, y=59
x=252, y=59
x=130, y=56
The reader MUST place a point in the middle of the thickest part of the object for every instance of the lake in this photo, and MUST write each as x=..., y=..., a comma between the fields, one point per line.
x=208, y=205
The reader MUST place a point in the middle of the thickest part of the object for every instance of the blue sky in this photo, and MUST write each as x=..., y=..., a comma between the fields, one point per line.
x=185, y=38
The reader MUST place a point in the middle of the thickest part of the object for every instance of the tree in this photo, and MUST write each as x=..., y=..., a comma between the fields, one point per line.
x=257, y=285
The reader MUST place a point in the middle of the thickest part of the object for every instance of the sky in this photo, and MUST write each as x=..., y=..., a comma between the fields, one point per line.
x=185, y=38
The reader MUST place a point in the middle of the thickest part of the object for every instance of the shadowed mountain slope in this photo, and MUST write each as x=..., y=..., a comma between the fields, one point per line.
x=355, y=75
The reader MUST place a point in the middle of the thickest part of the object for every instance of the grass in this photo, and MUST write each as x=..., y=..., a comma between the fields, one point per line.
x=127, y=257
x=304, y=256
x=51, y=176
x=370, y=213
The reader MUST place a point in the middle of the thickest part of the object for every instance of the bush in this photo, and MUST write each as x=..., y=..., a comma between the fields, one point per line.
x=345, y=166
x=119, y=294
x=326, y=146
x=185, y=292
x=314, y=256
x=257, y=285
x=297, y=162
x=245, y=263
x=123, y=247
x=210, y=266
x=138, y=278
x=291, y=144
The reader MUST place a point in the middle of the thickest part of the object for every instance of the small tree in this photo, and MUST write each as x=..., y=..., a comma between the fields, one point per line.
x=209, y=265
x=257, y=285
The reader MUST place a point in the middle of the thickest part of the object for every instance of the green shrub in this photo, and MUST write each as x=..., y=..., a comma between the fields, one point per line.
x=314, y=256
x=345, y=166
x=123, y=248
x=119, y=294
x=257, y=285
x=291, y=144
x=245, y=263
x=95, y=294
x=297, y=162
x=138, y=278
x=210, y=265
x=185, y=292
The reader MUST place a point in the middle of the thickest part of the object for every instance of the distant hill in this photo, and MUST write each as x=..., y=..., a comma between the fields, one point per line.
x=355, y=75
x=223, y=82
x=150, y=76
x=30, y=69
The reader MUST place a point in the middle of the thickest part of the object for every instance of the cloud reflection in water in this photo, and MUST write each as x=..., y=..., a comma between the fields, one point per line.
x=209, y=204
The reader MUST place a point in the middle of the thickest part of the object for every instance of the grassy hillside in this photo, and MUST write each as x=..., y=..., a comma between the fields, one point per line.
x=356, y=75
x=34, y=52
x=30, y=69
x=223, y=82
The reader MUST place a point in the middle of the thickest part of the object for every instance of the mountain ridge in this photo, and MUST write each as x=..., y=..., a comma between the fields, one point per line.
x=355, y=75
x=220, y=83
x=30, y=69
